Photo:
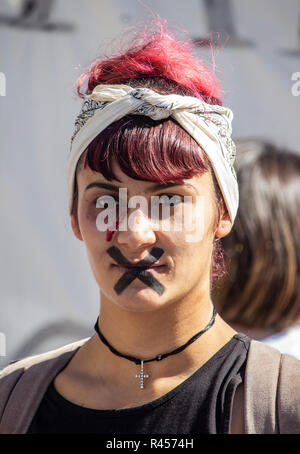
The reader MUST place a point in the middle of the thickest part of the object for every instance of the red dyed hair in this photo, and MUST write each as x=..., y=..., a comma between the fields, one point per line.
x=156, y=54
x=146, y=149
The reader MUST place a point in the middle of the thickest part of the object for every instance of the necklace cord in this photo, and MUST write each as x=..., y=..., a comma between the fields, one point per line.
x=158, y=357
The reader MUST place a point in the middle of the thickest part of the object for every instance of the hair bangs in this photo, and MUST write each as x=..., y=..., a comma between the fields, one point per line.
x=146, y=149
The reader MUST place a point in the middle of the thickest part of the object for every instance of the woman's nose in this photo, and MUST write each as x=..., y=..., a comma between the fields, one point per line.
x=139, y=231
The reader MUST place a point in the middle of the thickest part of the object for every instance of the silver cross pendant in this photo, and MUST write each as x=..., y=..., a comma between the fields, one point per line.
x=141, y=375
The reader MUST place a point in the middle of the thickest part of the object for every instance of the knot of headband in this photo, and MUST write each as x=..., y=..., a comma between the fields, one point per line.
x=208, y=124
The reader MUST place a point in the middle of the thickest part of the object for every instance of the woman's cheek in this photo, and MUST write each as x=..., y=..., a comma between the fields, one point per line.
x=88, y=225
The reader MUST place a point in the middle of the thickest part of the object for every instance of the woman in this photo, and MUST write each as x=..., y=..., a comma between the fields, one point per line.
x=260, y=293
x=151, y=133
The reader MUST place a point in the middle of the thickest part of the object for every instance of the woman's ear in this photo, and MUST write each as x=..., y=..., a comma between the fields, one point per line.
x=224, y=226
x=75, y=226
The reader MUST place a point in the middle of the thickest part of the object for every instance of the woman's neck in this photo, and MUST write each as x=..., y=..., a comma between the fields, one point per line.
x=150, y=333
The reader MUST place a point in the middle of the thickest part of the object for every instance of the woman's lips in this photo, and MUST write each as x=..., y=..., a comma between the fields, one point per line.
x=151, y=269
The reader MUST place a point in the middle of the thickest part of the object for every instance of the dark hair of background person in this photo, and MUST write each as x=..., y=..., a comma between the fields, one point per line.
x=261, y=287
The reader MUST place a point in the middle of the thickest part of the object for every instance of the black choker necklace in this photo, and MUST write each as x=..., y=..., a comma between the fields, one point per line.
x=141, y=375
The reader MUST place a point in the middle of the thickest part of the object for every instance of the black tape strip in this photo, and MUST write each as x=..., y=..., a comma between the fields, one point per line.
x=153, y=256
x=124, y=281
x=140, y=273
x=148, y=279
x=117, y=255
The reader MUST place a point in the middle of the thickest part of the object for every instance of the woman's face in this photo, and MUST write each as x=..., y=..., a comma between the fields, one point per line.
x=177, y=253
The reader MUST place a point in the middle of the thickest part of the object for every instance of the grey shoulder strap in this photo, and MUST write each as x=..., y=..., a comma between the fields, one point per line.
x=289, y=396
x=24, y=383
x=272, y=391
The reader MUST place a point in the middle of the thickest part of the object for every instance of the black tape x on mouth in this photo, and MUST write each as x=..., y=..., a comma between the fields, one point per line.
x=139, y=271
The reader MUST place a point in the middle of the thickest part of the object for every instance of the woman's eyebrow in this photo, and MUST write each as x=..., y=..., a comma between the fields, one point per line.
x=158, y=187
x=98, y=184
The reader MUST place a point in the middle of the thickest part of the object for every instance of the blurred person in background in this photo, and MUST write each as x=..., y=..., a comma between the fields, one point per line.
x=259, y=293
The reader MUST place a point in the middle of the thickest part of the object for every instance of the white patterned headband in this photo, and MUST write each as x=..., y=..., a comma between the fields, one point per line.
x=209, y=125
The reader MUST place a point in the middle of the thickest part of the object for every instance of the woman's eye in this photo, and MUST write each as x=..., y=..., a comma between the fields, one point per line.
x=168, y=200
x=106, y=201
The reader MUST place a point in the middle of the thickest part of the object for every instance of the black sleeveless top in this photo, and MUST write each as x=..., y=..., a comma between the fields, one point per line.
x=199, y=405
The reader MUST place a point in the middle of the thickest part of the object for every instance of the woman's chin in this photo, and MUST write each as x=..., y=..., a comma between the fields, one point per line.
x=140, y=300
